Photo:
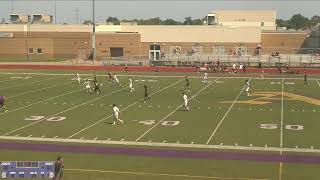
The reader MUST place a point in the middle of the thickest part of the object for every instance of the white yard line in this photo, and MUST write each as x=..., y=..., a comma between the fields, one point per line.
x=160, y=144
x=32, y=91
x=99, y=121
x=225, y=115
x=160, y=174
x=23, y=107
x=281, y=119
x=281, y=129
x=172, y=112
x=17, y=85
x=74, y=107
x=161, y=76
x=7, y=80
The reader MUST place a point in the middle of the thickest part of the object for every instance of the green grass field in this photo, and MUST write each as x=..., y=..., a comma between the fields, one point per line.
x=280, y=117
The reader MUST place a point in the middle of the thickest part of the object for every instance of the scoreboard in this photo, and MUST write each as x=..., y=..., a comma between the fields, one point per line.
x=26, y=169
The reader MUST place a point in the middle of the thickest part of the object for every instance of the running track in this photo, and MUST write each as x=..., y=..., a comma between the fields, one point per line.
x=239, y=156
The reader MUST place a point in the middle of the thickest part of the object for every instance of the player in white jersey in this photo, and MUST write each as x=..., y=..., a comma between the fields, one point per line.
x=78, y=78
x=116, y=113
x=116, y=80
x=247, y=86
x=205, y=77
x=130, y=85
x=185, y=102
x=262, y=74
x=87, y=85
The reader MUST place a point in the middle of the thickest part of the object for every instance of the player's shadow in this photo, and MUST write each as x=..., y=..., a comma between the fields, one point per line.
x=108, y=123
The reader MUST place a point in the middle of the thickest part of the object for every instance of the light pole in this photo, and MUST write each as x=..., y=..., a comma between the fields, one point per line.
x=55, y=11
x=93, y=33
x=154, y=51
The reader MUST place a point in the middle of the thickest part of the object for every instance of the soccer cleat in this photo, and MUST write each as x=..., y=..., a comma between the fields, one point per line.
x=6, y=110
x=121, y=121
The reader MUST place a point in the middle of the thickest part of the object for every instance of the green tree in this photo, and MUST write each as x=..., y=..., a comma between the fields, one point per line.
x=87, y=22
x=113, y=20
x=298, y=21
x=187, y=21
x=171, y=22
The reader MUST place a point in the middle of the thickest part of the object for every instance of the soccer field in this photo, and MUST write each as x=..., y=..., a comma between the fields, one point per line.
x=271, y=134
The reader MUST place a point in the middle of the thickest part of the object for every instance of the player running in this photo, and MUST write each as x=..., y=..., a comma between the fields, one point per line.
x=306, y=79
x=187, y=85
x=247, y=86
x=2, y=104
x=78, y=78
x=96, y=86
x=146, y=94
x=58, y=169
x=116, y=113
x=131, y=85
x=262, y=74
x=205, y=77
x=185, y=102
x=87, y=85
x=116, y=80
x=110, y=77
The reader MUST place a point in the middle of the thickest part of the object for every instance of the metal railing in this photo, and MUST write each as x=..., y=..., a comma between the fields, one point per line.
x=289, y=60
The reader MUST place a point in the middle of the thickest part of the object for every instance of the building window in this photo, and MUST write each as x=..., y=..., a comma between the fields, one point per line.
x=154, y=47
x=116, y=52
x=39, y=50
x=30, y=51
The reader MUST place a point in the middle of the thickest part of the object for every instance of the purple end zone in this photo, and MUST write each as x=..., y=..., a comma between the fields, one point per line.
x=239, y=156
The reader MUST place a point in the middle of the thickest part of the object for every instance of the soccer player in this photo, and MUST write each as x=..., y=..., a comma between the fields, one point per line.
x=110, y=77
x=94, y=78
x=96, y=86
x=187, y=86
x=205, y=77
x=185, y=102
x=2, y=104
x=130, y=85
x=262, y=74
x=247, y=86
x=58, y=169
x=306, y=79
x=116, y=113
x=126, y=68
x=146, y=94
x=78, y=78
x=88, y=87
x=116, y=80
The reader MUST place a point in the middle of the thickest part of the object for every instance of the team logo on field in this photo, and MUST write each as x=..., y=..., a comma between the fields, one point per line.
x=269, y=97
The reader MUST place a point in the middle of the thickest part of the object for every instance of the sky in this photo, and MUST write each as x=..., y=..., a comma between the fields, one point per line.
x=67, y=10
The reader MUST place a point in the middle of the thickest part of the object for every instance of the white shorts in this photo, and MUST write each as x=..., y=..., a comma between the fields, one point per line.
x=186, y=103
x=87, y=86
x=116, y=116
x=130, y=86
x=247, y=89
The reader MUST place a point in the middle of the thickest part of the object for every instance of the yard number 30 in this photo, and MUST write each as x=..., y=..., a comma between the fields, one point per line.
x=38, y=118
